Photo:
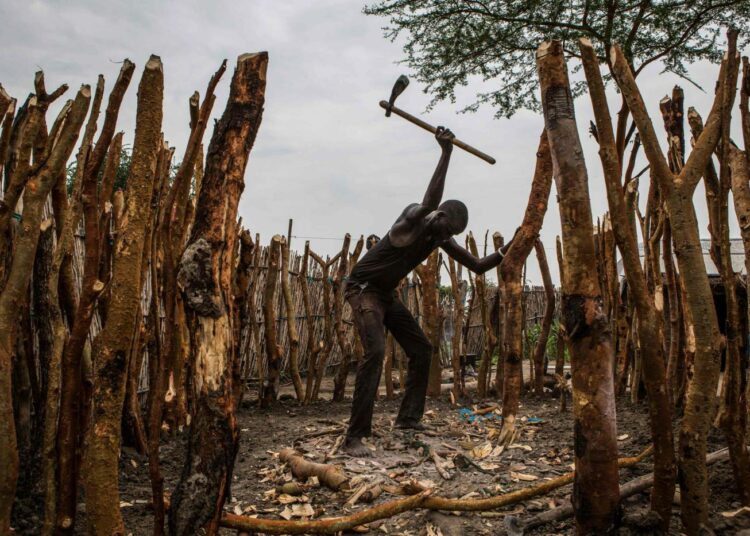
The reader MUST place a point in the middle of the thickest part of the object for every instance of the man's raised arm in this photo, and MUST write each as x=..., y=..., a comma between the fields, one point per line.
x=434, y=193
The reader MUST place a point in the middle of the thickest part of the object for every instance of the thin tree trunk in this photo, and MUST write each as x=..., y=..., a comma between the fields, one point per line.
x=313, y=347
x=206, y=276
x=560, y=361
x=339, y=383
x=428, y=275
x=458, y=317
x=113, y=345
x=737, y=383
x=678, y=192
x=650, y=334
x=273, y=352
x=328, y=322
x=540, y=350
x=38, y=187
x=511, y=271
x=291, y=323
x=596, y=488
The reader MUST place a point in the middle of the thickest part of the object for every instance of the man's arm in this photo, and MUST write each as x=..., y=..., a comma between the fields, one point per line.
x=475, y=264
x=434, y=193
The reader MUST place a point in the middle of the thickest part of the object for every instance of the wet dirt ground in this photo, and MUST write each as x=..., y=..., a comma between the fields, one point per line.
x=471, y=465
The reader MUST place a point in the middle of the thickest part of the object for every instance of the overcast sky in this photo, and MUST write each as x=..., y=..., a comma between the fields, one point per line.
x=325, y=155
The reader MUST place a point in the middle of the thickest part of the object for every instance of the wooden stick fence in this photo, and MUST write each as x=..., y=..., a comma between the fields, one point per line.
x=252, y=362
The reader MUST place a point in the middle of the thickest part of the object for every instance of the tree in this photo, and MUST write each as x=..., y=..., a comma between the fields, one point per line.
x=449, y=42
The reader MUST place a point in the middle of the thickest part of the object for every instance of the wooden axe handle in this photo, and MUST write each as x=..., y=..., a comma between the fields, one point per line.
x=428, y=127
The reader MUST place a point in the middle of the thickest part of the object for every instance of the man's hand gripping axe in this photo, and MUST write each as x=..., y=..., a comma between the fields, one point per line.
x=399, y=88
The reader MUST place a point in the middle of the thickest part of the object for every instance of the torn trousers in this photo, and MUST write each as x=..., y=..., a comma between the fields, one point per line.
x=371, y=312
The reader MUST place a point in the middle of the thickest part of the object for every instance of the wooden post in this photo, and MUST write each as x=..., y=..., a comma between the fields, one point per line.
x=649, y=327
x=291, y=319
x=39, y=182
x=313, y=347
x=206, y=276
x=512, y=270
x=270, y=387
x=549, y=312
x=596, y=488
x=428, y=275
x=678, y=191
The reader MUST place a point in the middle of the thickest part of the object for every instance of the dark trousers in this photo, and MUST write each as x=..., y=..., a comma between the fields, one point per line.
x=371, y=312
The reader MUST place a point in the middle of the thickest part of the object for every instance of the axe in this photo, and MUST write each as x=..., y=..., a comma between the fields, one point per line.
x=399, y=88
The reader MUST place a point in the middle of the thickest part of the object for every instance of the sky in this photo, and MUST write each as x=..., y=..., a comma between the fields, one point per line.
x=325, y=155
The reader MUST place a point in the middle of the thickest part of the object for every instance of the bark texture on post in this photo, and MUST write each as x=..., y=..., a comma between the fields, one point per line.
x=650, y=334
x=39, y=183
x=429, y=275
x=458, y=292
x=511, y=271
x=207, y=276
x=69, y=437
x=540, y=350
x=313, y=347
x=270, y=387
x=596, y=488
x=678, y=192
x=291, y=320
x=498, y=242
x=339, y=328
x=113, y=344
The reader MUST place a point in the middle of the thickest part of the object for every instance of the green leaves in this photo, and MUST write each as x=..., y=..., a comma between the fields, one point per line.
x=448, y=43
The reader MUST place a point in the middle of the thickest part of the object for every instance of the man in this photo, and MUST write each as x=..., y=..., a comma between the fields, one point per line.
x=370, y=291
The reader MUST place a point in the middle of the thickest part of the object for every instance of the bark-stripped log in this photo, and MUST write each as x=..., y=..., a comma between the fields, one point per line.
x=596, y=490
x=678, y=191
x=38, y=187
x=511, y=271
x=331, y=476
x=650, y=334
x=206, y=276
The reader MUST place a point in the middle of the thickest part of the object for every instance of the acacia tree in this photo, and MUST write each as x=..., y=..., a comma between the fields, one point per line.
x=448, y=42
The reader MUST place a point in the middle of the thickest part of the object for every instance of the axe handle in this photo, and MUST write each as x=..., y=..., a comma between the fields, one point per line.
x=428, y=127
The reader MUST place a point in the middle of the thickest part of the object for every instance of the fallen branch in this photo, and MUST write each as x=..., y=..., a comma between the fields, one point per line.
x=329, y=525
x=329, y=475
x=421, y=499
x=631, y=488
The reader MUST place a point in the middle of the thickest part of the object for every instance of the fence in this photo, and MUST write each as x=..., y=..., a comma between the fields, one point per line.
x=253, y=359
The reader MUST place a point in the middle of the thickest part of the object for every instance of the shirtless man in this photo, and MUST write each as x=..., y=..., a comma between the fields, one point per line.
x=370, y=291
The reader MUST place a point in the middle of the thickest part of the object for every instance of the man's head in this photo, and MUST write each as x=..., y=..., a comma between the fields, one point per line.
x=450, y=219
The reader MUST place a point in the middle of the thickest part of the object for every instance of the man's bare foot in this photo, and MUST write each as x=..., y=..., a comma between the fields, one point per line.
x=411, y=425
x=353, y=446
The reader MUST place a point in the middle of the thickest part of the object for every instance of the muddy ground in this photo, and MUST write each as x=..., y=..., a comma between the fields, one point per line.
x=467, y=452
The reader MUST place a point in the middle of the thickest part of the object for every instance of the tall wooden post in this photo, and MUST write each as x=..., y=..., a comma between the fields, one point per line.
x=596, y=491
x=206, y=277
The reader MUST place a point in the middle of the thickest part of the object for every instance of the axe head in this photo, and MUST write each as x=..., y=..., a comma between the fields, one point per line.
x=398, y=88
